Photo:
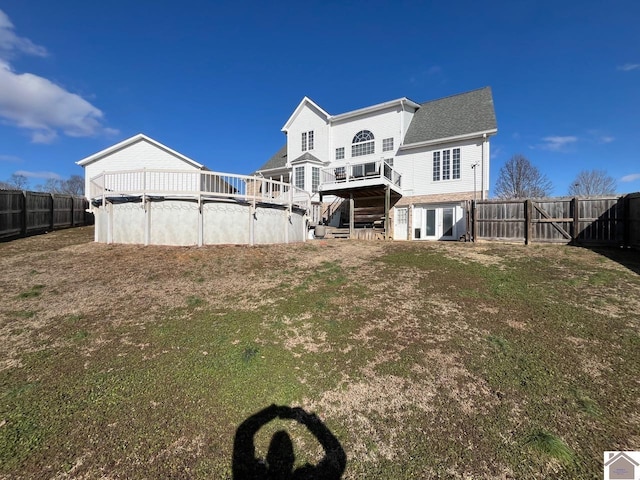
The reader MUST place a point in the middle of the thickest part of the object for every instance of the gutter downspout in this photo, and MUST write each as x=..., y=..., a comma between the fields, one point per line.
x=401, y=121
x=484, y=143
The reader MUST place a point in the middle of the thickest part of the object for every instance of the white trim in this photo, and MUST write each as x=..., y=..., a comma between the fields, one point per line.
x=305, y=101
x=402, y=102
x=130, y=141
x=457, y=138
x=380, y=106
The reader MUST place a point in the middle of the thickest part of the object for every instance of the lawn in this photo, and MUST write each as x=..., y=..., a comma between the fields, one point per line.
x=425, y=360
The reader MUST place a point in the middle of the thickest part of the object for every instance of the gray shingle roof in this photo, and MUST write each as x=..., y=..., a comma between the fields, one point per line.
x=306, y=156
x=461, y=114
x=278, y=160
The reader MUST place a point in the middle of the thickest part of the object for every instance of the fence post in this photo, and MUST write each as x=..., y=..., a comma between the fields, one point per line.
x=474, y=220
x=25, y=214
x=626, y=225
x=51, y=212
x=576, y=220
x=528, y=213
x=73, y=201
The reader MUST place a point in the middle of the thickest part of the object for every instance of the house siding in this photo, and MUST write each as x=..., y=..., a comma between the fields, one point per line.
x=139, y=155
x=309, y=119
x=383, y=124
x=416, y=168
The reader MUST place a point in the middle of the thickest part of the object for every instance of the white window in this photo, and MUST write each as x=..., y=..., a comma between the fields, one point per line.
x=315, y=179
x=387, y=144
x=339, y=153
x=299, y=177
x=307, y=141
x=362, y=144
x=446, y=164
x=450, y=169
x=456, y=163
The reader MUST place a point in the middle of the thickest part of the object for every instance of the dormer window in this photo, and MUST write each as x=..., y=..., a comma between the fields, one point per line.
x=363, y=144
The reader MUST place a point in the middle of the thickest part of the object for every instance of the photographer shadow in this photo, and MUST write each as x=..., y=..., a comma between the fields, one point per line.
x=280, y=456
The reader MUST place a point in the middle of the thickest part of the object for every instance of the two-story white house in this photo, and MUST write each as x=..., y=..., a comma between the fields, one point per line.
x=405, y=168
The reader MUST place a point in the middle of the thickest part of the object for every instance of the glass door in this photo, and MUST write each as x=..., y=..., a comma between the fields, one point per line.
x=431, y=226
x=447, y=223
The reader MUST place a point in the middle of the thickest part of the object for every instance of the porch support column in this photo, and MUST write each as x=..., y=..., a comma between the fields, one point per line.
x=351, y=216
x=387, y=206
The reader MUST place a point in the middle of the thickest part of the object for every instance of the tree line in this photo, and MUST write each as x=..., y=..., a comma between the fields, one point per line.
x=519, y=178
x=74, y=185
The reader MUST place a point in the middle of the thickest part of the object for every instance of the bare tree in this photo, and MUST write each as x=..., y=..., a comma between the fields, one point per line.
x=592, y=182
x=17, y=182
x=52, y=185
x=518, y=178
x=74, y=185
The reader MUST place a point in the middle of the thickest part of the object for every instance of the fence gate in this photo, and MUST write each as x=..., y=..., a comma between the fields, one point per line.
x=576, y=220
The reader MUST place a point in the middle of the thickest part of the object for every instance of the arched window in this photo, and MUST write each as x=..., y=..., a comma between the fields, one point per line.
x=363, y=144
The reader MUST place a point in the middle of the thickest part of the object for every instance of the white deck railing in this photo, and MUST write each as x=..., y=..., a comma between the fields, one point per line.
x=197, y=184
x=355, y=172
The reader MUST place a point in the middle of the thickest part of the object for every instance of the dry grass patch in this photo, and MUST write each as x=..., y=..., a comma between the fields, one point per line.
x=427, y=360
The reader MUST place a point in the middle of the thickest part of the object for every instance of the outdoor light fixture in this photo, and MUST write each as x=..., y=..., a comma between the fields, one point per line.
x=474, y=180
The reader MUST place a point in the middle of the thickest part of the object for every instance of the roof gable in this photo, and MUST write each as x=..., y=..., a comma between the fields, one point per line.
x=307, y=157
x=131, y=141
x=458, y=115
x=308, y=103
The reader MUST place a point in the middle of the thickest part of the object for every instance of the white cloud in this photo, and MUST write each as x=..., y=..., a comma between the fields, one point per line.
x=36, y=104
x=45, y=175
x=10, y=159
x=10, y=42
x=557, y=143
x=628, y=67
x=630, y=178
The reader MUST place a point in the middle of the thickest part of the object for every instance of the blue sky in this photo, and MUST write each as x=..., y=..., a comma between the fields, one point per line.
x=216, y=80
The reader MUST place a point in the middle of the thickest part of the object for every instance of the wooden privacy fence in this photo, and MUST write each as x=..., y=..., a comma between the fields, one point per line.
x=25, y=213
x=590, y=220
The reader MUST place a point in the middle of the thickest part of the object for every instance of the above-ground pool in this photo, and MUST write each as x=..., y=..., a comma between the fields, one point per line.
x=162, y=207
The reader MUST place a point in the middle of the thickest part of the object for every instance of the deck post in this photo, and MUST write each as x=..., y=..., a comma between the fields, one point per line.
x=351, y=216
x=387, y=206
x=147, y=222
x=200, y=221
x=110, y=223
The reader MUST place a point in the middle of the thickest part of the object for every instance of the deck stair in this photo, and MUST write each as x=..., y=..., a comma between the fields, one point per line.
x=337, y=232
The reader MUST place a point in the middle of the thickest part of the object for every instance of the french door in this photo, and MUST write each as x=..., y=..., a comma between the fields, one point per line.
x=435, y=223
